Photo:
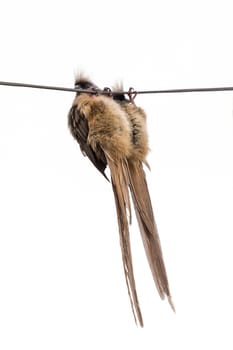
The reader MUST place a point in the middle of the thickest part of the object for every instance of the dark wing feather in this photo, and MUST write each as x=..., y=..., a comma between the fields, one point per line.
x=78, y=126
x=148, y=228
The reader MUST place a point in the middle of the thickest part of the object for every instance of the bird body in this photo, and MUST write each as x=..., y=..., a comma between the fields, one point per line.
x=108, y=125
x=113, y=132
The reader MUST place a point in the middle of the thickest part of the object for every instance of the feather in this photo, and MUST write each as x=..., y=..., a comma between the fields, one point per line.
x=148, y=228
x=122, y=202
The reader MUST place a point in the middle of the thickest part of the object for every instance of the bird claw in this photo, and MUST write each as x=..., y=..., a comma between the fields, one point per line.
x=108, y=91
x=94, y=90
x=132, y=94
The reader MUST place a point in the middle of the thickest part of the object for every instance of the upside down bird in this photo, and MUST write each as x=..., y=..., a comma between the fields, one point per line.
x=112, y=132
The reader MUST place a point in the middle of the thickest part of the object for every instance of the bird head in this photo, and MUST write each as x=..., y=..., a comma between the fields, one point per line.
x=120, y=96
x=83, y=82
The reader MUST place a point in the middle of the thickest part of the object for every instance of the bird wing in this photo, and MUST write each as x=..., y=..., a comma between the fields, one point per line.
x=79, y=128
x=148, y=229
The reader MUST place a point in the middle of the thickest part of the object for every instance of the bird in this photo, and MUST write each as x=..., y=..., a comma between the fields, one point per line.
x=111, y=131
x=79, y=126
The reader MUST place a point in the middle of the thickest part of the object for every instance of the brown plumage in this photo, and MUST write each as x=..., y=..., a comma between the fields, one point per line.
x=114, y=133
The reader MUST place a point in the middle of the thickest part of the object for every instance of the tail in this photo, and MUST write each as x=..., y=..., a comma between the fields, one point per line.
x=148, y=229
x=122, y=201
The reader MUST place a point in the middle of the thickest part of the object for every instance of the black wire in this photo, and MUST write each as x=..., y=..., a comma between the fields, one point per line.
x=167, y=91
x=37, y=86
x=210, y=89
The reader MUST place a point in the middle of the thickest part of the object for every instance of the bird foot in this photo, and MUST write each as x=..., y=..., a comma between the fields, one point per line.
x=132, y=94
x=109, y=91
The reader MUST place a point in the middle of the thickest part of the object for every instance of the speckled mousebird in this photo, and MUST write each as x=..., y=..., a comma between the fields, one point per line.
x=112, y=132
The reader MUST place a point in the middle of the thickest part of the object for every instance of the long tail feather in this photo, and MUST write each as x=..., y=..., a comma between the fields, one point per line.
x=148, y=229
x=122, y=201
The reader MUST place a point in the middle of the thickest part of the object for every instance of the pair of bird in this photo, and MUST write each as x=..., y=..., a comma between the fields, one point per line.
x=111, y=131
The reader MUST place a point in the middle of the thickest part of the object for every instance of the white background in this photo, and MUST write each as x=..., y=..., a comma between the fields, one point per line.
x=61, y=276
